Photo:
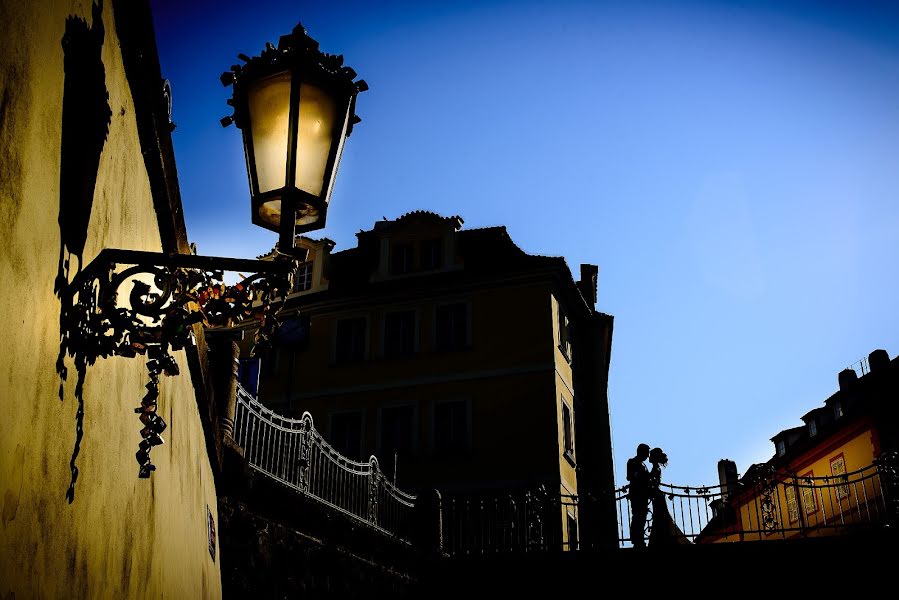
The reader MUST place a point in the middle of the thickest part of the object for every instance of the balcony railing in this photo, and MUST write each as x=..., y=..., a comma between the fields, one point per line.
x=525, y=521
x=294, y=453
x=777, y=505
x=861, y=366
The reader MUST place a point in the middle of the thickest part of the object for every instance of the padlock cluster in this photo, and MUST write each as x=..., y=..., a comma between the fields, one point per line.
x=154, y=425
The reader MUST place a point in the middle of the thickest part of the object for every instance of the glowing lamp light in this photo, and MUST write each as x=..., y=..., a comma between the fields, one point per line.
x=295, y=106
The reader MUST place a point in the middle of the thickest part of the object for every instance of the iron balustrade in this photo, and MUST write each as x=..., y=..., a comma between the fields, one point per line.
x=525, y=521
x=776, y=505
x=861, y=367
x=768, y=505
x=294, y=453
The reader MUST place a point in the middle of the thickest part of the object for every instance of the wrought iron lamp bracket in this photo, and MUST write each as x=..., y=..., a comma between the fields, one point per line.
x=169, y=294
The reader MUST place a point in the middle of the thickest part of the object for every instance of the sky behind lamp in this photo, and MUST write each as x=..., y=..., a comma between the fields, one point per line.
x=296, y=107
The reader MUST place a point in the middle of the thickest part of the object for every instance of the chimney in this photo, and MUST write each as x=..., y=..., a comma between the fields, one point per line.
x=847, y=378
x=588, y=283
x=877, y=360
x=727, y=476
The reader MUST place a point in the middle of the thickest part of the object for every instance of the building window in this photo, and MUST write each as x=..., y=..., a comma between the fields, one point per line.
x=210, y=533
x=809, y=500
x=399, y=333
x=248, y=375
x=350, y=341
x=781, y=447
x=432, y=254
x=812, y=428
x=837, y=410
x=451, y=327
x=346, y=434
x=396, y=436
x=303, y=278
x=838, y=470
x=451, y=428
x=568, y=432
x=400, y=258
x=792, y=505
x=564, y=334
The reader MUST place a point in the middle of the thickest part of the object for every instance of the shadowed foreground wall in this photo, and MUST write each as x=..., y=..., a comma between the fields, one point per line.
x=122, y=536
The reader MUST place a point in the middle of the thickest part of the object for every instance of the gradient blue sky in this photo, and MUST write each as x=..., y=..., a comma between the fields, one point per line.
x=732, y=167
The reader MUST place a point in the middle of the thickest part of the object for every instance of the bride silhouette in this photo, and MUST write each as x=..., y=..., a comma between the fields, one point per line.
x=664, y=531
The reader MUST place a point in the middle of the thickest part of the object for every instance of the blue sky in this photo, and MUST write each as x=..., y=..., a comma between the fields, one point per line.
x=732, y=167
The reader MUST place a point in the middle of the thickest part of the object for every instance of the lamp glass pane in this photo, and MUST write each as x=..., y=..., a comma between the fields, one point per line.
x=340, y=142
x=270, y=211
x=269, y=101
x=316, y=130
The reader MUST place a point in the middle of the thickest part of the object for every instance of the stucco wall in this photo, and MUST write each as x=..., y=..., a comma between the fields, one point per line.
x=564, y=393
x=122, y=536
x=862, y=502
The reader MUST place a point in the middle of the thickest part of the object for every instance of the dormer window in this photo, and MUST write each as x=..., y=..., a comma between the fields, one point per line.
x=303, y=278
x=400, y=258
x=812, y=428
x=431, y=254
x=837, y=410
x=781, y=447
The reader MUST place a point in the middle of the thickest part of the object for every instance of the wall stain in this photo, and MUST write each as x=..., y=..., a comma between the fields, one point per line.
x=78, y=577
x=14, y=490
x=10, y=134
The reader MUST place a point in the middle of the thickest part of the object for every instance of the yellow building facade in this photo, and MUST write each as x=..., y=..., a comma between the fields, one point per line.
x=823, y=478
x=75, y=177
x=463, y=363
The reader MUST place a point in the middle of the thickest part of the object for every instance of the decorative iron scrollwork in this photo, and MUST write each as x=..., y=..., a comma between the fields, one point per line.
x=768, y=483
x=169, y=294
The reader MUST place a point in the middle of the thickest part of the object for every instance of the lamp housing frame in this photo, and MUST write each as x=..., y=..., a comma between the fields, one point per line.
x=298, y=56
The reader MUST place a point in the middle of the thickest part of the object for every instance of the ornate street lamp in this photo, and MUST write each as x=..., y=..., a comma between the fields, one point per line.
x=296, y=107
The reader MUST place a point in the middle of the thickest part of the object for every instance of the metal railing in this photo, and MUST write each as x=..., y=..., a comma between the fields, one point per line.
x=525, y=521
x=775, y=506
x=294, y=453
x=861, y=366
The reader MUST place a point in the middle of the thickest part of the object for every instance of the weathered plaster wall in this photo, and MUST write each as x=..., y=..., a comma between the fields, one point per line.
x=122, y=536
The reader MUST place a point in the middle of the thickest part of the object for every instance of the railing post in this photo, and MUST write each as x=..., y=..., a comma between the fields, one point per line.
x=800, y=505
x=429, y=522
x=305, y=465
x=374, y=484
x=226, y=360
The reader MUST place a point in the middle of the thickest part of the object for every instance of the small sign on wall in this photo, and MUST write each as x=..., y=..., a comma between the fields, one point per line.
x=210, y=532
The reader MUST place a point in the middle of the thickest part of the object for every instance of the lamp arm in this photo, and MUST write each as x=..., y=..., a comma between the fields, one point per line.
x=189, y=289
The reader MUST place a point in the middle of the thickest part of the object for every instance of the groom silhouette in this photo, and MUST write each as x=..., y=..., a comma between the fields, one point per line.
x=638, y=478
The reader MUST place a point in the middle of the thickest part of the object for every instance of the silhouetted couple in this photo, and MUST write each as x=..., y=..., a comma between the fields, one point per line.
x=643, y=490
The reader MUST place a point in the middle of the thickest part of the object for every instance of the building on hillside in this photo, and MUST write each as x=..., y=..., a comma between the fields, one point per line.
x=460, y=361
x=86, y=163
x=826, y=475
